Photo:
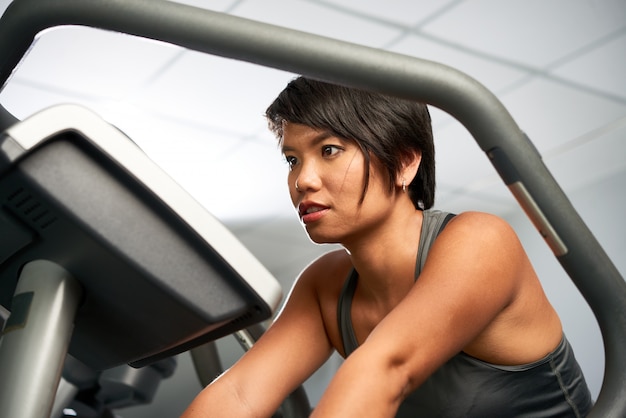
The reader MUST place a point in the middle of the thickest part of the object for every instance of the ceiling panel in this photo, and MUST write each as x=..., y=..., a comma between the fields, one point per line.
x=460, y=160
x=65, y=59
x=494, y=75
x=215, y=91
x=296, y=14
x=248, y=183
x=552, y=113
x=592, y=160
x=602, y=68
x=24, y=99
x=397, y=11
x=216, y=5
x=533, y=33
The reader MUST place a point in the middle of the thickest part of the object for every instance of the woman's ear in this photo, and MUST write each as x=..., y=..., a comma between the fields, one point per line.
x=409, y=168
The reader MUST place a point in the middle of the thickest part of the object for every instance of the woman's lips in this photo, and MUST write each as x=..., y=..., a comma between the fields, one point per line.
x=311, y=212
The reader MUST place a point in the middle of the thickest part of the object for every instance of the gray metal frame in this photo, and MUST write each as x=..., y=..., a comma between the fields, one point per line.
x=36, y=339
x=513, y=155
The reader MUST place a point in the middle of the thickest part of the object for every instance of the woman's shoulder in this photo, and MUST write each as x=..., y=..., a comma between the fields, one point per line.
x=329, y=265
x=474, y=221
x=324, y=277
x=480, y=232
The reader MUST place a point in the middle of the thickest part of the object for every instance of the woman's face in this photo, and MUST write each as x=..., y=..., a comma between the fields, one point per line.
x=330, y=174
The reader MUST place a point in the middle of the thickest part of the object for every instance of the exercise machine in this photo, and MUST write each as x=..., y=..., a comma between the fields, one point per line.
x=505, y=145
x=107, y=259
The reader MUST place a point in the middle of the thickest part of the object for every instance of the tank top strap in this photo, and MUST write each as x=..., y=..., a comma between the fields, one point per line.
x=344, y=318
x=434, y=221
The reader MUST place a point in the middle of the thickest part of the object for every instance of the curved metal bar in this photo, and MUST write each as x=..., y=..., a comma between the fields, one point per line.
x=475, y=107
x=206, y=362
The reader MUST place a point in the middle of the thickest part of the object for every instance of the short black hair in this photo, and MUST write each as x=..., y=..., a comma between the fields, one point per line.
x=390, y=128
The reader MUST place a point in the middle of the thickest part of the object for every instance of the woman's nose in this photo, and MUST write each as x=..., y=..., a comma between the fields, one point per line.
x=307, y=178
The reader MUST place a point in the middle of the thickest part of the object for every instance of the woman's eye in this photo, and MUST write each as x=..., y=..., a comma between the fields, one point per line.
x=291, y=161
x=329, y=150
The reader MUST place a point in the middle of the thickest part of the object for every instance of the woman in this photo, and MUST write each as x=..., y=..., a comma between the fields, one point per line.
x=473, y=335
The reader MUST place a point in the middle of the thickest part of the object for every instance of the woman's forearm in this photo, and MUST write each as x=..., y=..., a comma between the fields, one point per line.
x=220, y=399
x=364, y=386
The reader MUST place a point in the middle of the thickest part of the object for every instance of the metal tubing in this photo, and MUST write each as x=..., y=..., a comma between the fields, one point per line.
x=454, y=92
x=206, y=362
x=36, y=338
x=66, y=392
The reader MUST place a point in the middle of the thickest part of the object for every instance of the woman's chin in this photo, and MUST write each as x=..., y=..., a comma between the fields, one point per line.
x=319, y=238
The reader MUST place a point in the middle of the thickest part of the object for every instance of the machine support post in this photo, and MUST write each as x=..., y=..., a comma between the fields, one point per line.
x=35, y=340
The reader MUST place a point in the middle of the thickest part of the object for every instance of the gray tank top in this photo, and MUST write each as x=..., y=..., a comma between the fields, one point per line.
x=468, y=387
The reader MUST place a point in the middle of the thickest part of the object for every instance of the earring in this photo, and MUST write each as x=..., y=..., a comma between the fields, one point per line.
x=403, y=186
x=297, y=188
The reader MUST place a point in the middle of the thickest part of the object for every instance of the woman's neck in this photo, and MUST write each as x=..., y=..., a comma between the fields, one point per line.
x=385, y=259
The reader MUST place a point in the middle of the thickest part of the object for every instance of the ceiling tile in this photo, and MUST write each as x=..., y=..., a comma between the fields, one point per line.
x=313, y=18
x=398, y=11
x=247, y=183
x=553, y=113
x=182, y=150
x=603, y=68
x=493, y=75
x=22, y=100
x=592, y=161
x=531, y=32
x=217, y=5
x=92, y=62
x=215, y=91
x=460, y=161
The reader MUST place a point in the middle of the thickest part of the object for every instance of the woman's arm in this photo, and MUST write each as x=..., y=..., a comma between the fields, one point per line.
x=293, y=347
x=470, y=277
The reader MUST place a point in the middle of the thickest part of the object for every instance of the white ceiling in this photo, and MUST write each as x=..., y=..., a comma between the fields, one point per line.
x=558, y=65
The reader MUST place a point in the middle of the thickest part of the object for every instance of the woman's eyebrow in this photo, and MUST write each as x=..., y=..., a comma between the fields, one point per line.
x=322, y=136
